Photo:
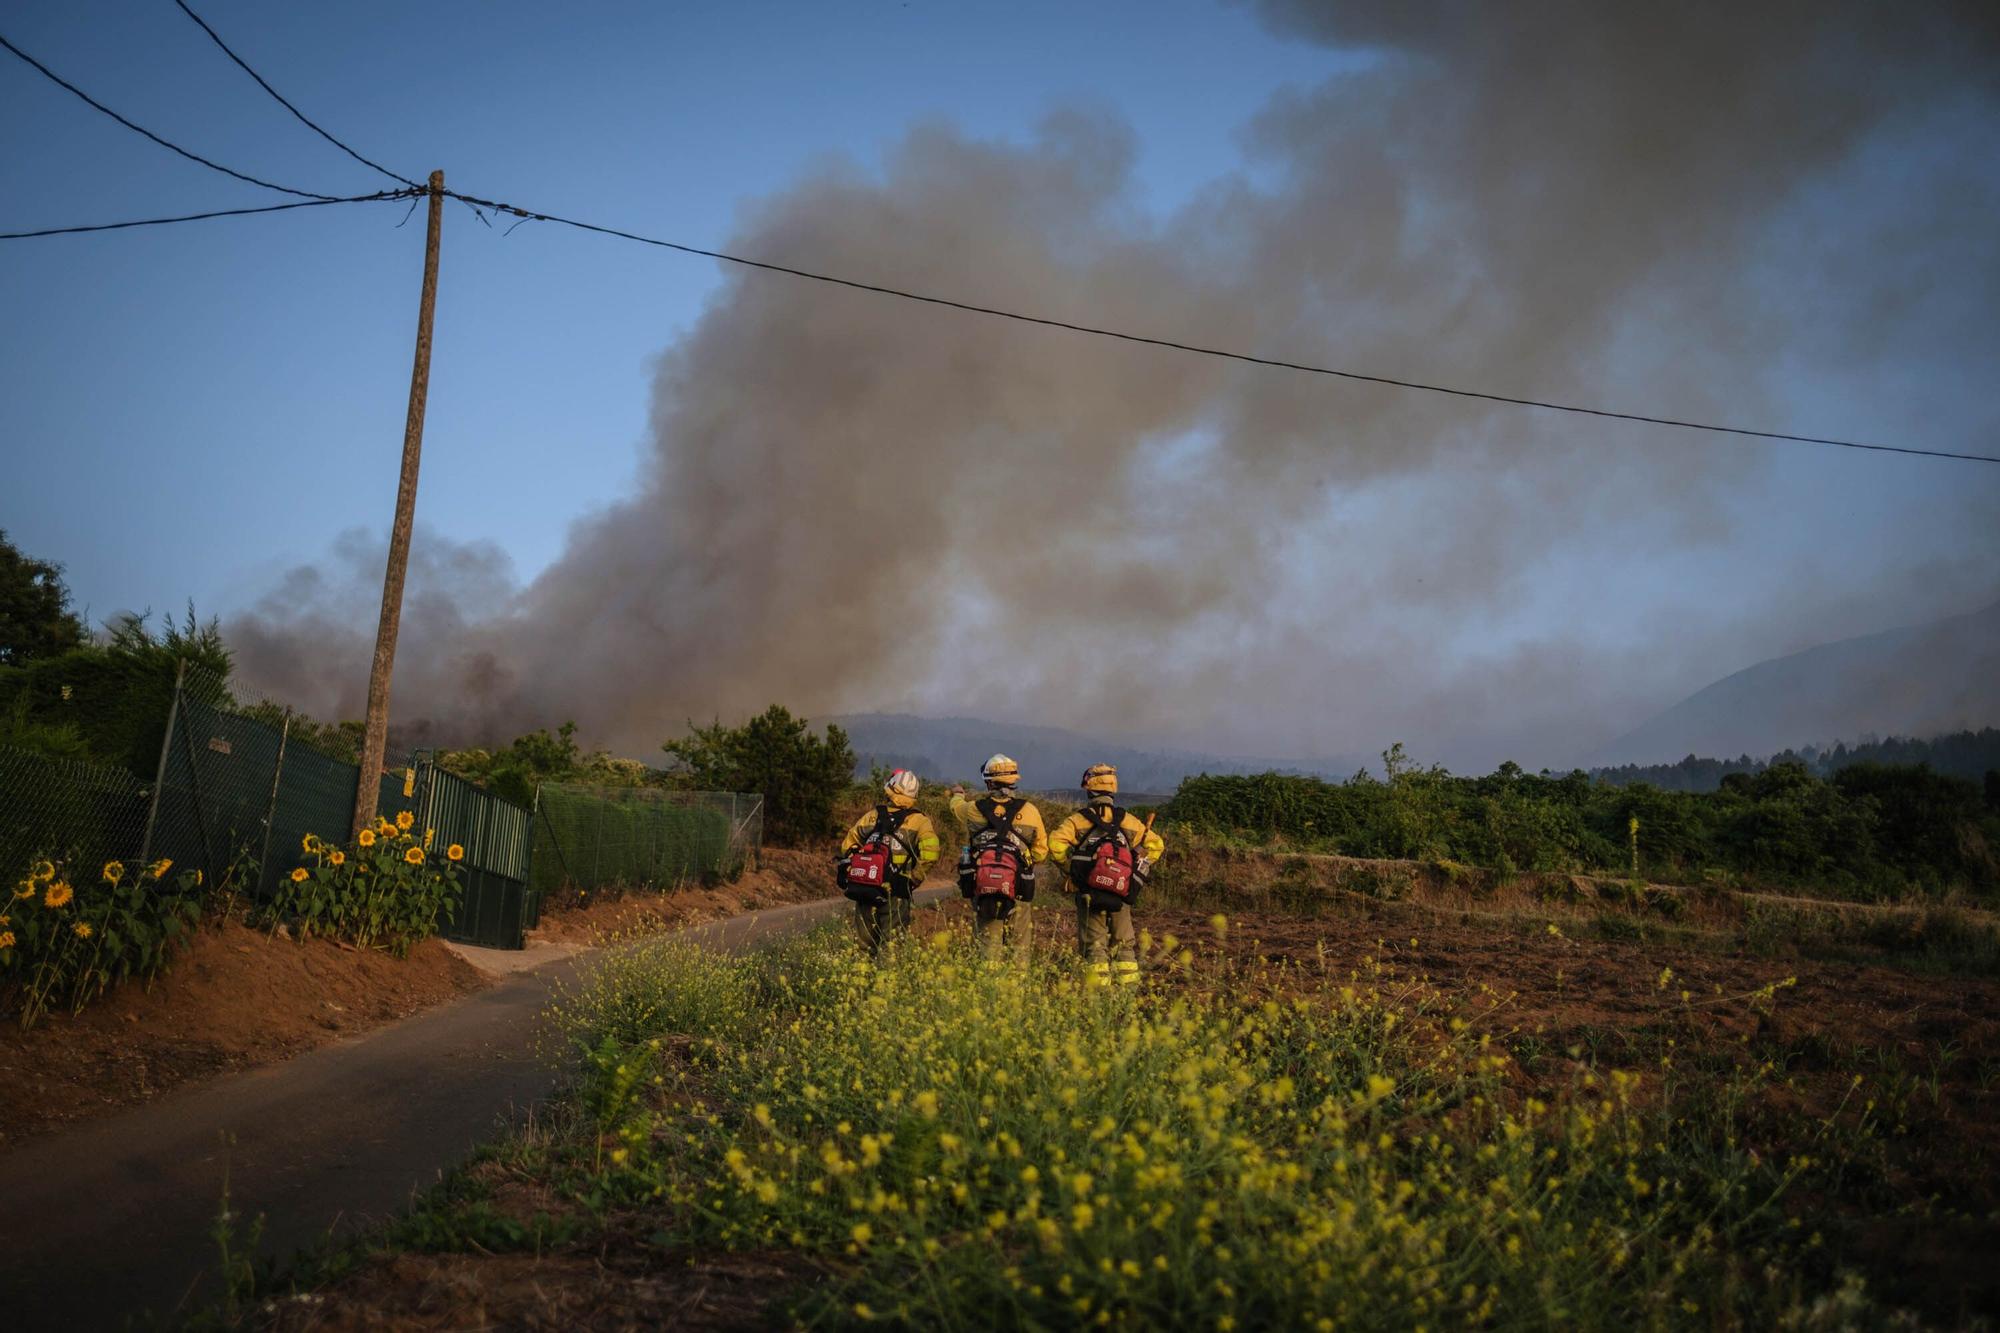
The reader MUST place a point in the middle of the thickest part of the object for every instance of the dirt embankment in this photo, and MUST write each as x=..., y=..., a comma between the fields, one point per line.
x=235, y=997
x=785, y=875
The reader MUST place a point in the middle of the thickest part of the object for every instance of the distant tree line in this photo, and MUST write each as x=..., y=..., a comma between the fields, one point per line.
x=1962, y=754
x=1868, y=830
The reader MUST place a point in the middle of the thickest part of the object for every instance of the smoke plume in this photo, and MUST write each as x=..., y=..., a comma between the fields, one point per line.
x=852, y=502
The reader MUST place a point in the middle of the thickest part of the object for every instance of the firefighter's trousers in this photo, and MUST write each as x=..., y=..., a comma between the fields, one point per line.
x=874, y=925
x=1108, y=944
x=999, y=938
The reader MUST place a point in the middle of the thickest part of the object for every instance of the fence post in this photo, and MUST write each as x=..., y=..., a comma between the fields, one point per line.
x=597, y=848
x=160, y=773
x=271, y=810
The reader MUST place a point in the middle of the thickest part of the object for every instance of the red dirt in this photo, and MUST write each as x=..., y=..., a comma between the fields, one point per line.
x=786, y=876
x=233, y=998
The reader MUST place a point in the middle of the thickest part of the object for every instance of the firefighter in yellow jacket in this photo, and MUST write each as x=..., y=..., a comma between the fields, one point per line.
x=897, y=845
x=1108, y=853
x=1000, y=826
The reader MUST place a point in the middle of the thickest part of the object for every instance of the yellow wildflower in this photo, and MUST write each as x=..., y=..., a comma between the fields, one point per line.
x=114, y=871
x=366, y=837
x=82, y=929
x=862, y=1233
x=59, y=893
x=337, y=857
x=414, y=855
x=454, y=853
x=299, y=875
x=404, y=819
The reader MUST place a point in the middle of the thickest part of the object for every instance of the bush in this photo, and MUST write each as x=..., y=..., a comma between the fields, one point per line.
x=777, y=756
x=1871, y=831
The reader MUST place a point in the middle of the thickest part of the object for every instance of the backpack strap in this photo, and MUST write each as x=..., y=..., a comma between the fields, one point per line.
x=889, y=826
x=1000, y=816
x=1100, y=829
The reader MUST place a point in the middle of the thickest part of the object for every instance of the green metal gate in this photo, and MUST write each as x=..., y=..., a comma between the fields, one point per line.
x=497, y=905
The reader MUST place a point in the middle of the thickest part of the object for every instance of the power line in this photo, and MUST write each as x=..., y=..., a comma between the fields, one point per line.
x=199, y=217
x=530, y=215
x=303, y=118
x=61, y=82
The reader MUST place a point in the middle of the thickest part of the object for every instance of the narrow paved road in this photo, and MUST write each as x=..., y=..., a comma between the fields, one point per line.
x=107, y=1226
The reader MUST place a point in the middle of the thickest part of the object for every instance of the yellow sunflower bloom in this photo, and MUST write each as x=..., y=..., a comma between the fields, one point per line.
x=59, y=893
x=6, y=939
x=43, y=870
x=404, y=819
x=415, y=856
x=310, y=843
x=26, y=889
x=337, y=858
x=299, y=875
x=455, y=852
x=82, y=929
x=429, y=833
x=159, y=868
x=114, y=871
x=366, y=837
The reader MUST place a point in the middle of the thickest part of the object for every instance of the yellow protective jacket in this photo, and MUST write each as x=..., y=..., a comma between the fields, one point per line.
x=919, y=839
x=1073, y=830
x=1028, y=824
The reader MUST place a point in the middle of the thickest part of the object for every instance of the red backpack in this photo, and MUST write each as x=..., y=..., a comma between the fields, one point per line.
x=868, y=873
x=997, y=864
x=1104, y=864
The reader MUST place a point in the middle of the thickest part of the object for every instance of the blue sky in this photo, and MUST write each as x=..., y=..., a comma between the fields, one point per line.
x=187, y=411
x=249, y=377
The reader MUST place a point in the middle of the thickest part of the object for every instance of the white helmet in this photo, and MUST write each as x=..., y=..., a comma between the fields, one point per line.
x=902, y=783
x=1000, y=771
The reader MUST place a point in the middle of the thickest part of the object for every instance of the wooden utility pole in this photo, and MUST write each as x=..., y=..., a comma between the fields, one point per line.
x=375, y=738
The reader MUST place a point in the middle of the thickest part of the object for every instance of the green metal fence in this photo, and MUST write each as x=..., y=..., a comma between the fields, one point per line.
x=640, y=837
x=235, y=796
x=499, y=903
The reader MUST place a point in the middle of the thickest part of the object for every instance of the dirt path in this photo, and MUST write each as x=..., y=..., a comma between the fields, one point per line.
x=111, y=1222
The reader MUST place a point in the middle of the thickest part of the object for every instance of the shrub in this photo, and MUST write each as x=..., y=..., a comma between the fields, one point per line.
x=776, y=755
x=69, y=933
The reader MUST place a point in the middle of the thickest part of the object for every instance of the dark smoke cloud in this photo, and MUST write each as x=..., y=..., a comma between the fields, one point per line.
x=851, y=502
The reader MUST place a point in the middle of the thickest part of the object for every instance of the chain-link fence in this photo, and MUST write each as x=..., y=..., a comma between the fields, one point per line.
x=66, y=812
x=235, y=795
x=641, y=837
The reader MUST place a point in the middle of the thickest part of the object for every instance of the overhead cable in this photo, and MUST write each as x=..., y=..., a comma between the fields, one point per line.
x=280, y=97
x=60, y=81
x=217, y=213
x=532, y=215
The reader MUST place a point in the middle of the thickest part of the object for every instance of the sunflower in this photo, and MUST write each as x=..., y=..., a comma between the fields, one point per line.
x=429, y=833
x=455, y=852
x=6, y=939
x=404, y=819
x=299, y=876
x=42, y=870
x=26, y=889
x=415, y=856
x=337, y=858
x=82, y=929
x=366, y=837
x=310, y=843
x=59, y=893
x=159, y=868
x=113, y=871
